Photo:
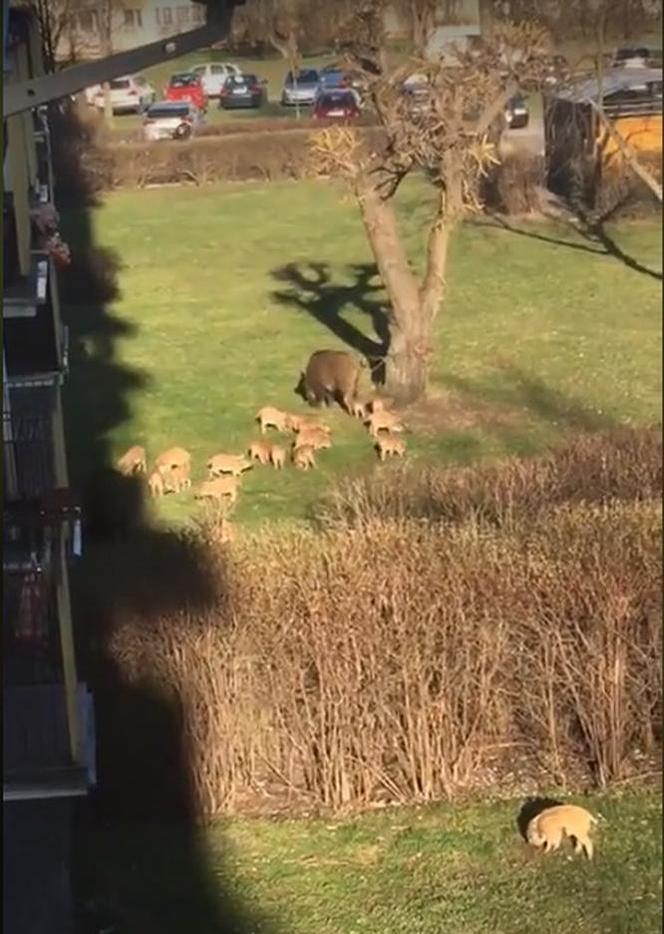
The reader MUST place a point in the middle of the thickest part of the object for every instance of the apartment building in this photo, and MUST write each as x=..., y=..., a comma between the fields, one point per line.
x=132, y=23
x=48, y=719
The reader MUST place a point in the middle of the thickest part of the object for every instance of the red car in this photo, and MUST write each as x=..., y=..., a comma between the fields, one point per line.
x=336, y=105
x=186, y=86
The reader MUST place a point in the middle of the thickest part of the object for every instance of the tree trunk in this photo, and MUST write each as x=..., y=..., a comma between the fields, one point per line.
x=409, y=318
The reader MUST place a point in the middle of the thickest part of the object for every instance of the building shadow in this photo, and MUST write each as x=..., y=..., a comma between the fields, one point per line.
x=309, y=287
x=130, y=569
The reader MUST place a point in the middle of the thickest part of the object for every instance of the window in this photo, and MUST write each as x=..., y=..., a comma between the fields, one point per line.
x=132, y=19
x=217, y=69
x=183, y=14
x=165, y=16
x=197, y=13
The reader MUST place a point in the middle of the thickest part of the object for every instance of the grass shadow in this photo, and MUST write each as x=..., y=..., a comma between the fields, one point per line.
x=532, y=808
x=130, y=568
x=310, y=288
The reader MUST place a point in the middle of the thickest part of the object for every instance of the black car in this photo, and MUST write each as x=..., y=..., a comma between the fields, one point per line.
x=242, y=91
x=516, y=113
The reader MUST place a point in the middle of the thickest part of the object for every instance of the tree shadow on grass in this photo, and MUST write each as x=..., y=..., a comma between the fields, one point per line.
x=520, y=390
x=596, y=239
x=130, y=570
x=310, y=288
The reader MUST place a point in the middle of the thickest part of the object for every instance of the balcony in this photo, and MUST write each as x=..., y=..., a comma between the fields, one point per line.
x=35, y=343
x=28, y=444
x=48, y=720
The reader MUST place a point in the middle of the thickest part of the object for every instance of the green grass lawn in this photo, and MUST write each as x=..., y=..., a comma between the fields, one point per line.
x=542, y=332
x=461, y=869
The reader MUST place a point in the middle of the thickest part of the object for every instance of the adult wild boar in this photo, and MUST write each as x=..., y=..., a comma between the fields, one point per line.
x=331, y=376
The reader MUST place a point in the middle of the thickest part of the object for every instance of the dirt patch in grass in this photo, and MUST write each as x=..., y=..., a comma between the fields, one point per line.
x=447, y=410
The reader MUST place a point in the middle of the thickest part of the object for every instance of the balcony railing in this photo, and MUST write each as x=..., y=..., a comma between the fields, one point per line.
x=28, y=455
x=31, y=647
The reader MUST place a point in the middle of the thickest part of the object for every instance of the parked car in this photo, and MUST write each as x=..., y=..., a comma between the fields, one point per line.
x=637, y=57
x=333, y=77
x=336, y=105
x=186, y=86
x=130, y=94
x=214, y=74
x=516, y=113
x=242, y=91
x=171, y=120
x=417, y=92
x=300, y=88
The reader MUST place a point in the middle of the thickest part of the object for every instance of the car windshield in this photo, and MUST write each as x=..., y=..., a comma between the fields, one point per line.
x=120, y=84
x=303, y=77
x=161, y=110
x=183, y=81
x=336, y=99
x=240, y=80
x=332, y=78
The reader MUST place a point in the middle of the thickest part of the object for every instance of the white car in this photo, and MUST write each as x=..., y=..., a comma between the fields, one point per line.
x=130, y=94
x=213, y=75
x=171, y=120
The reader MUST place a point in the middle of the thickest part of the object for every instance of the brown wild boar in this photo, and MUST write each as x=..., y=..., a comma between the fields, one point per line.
x=359, y=408
x=307, y=424
x=383, y=421
x=234, y=464
x=156, y=484
x=133, y=461
x=293, y=421
x=173, y=457
x=260, y=451
x=219, y=488
x=389, y=444
x=564, y=820
x=331, y=376
x=278, y=457
x=269, y=417
x=377, y=404
x=303, y=457
x=226, y=531
x=176, y=480
x=314, y=438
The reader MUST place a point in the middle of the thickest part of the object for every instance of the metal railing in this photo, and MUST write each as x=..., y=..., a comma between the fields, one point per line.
x=31, y=642
x=28, y=455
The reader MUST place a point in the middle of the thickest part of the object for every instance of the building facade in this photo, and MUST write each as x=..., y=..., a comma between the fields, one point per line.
x=131, y=24
x=48, y=719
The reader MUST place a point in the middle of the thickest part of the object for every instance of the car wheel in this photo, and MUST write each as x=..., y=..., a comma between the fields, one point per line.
x=183, y=131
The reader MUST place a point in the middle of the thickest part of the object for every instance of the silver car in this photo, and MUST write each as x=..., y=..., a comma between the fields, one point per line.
x=300, y=88
x=171, y=120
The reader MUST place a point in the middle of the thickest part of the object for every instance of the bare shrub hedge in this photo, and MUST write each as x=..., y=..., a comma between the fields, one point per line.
x=259, y=156
x=623, y=465
x=405, y=657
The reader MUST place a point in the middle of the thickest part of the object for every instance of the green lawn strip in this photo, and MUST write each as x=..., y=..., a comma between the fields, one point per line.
x=426, y=870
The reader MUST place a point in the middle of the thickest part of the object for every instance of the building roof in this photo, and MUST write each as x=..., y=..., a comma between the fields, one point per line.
x=613, y=82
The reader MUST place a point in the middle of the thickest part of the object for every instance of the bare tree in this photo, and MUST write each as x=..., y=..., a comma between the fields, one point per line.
x=451, y=135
